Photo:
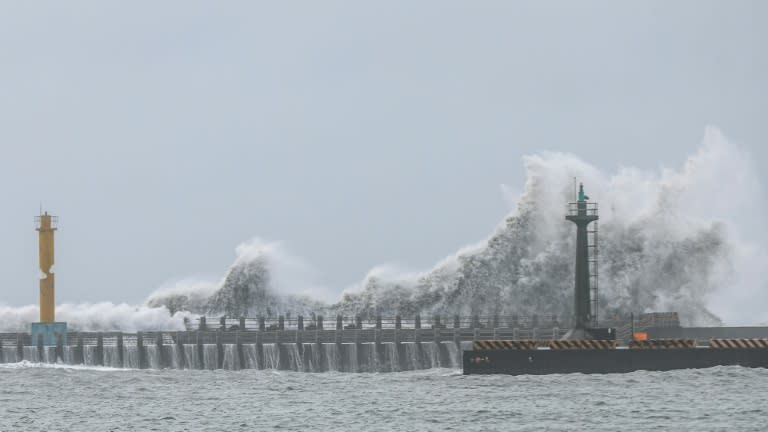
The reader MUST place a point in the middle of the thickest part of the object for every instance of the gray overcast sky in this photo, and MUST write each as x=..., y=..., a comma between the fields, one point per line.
x=165, y=133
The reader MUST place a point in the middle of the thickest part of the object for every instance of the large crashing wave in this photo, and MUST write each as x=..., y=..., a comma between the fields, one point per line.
x=667, y=243
x=687, y=240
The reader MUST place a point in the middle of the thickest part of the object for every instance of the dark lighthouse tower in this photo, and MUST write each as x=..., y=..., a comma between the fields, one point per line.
x=582, y=213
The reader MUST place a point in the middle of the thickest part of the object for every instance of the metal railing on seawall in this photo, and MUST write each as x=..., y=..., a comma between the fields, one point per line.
x=342, y=322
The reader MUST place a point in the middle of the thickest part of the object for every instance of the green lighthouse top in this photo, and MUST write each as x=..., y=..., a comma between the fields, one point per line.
x=582, y=196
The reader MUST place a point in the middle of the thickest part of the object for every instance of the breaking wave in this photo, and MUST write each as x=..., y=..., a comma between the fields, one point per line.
x=670, y=240
x=687, y=240
x=103, y=316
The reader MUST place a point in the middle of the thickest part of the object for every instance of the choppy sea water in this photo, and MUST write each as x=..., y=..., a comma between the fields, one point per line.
x=36, y=397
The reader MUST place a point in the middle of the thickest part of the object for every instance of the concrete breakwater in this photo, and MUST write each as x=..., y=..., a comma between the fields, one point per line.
x=304, y=351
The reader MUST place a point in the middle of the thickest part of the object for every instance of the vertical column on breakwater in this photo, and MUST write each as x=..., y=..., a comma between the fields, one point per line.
x=259, y=350
x=40, y=348
x=19, y=346
x=180, y=353
x=239, y=350
x=200, y=351
x=80, y=350
x=318, y=347
x=358, y=349
x=281, y=358
x=219, y=350
x=140, y=352
x=99, y=360
x=299, y=349
x=59, y=353
x=162, y=360
x=120, y=351
x=398, y=366
x=2, y=353
x=378, y=352
x=457, y=338
x=337, y=342
x=457, y=332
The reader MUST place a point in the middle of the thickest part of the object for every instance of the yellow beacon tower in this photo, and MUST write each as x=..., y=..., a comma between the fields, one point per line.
x=47, y=331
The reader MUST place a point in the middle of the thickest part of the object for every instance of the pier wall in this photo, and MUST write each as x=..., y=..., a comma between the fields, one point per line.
x=346, y=350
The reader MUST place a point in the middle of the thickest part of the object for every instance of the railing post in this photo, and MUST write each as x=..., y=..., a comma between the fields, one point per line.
x=456, y=322
x=475, y=321
x=339, y=322
x=281, y=322
x=202, y=325
x=319, y=324
x=223, y=323
x=398, y=322
x=262, y=324
x=436, y=321
x=378, y=322
x=242, y=324
x=300, y=323
x=358, y=322
x=495, y=321
x=417, y=322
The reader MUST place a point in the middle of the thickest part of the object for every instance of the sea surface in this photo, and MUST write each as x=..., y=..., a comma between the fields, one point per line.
x=45, y=397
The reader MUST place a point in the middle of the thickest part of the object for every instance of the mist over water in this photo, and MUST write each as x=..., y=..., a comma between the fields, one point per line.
x=688, y=240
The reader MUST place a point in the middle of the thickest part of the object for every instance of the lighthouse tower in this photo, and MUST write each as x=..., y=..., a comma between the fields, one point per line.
x=582, y=213
x=47, y=329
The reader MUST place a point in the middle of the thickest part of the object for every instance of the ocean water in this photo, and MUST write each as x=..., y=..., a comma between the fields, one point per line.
x=45, y=397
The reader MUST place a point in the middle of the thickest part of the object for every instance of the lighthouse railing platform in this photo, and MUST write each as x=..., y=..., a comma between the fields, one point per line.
x=581, y=208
